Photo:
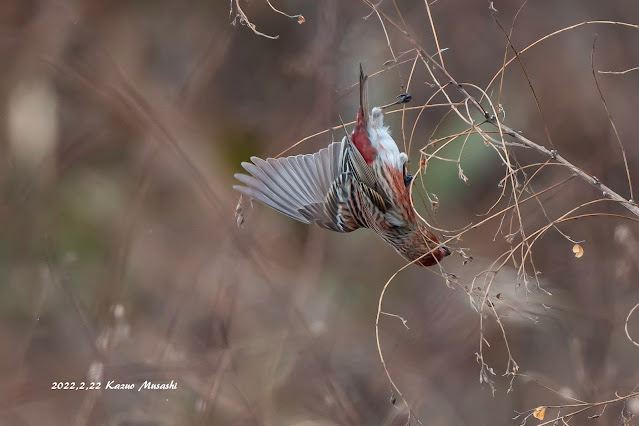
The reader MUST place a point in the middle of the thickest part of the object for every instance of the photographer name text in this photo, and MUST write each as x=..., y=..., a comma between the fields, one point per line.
x=113, y=385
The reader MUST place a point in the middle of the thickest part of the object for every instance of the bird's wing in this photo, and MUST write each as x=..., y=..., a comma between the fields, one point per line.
x=333, y=188
x=352, y=161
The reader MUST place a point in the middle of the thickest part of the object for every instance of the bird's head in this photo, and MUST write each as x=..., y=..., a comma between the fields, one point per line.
x=427, y=254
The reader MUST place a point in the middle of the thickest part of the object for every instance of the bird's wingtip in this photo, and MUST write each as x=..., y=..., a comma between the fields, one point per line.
x=246, y=166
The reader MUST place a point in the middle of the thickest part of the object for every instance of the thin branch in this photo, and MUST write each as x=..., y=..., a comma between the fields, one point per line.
x=432, y=26
x=612, y=123
x=619, y=72
x=300, y=18
x=592, y=180
x=339, y=126
x=245, y=21
x=381, y=21
x=404, y=321
x=555, y=33
x=634, y=208
x=523, y=69
x=634, y=342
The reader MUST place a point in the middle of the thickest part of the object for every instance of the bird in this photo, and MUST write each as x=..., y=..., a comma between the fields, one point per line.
x=360, y=182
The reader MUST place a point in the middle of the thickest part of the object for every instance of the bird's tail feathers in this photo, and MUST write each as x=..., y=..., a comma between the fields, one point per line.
x=363, y=94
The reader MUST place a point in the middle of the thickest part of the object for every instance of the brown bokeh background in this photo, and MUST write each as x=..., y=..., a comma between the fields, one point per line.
x=122, y=124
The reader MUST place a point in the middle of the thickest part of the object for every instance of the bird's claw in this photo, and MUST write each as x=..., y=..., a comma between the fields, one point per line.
x=404, y=98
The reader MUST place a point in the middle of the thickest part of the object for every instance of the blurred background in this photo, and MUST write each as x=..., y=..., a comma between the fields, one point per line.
x=121, y=257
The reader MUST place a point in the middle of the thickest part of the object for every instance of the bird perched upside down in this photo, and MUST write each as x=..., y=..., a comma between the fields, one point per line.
x=360, y=182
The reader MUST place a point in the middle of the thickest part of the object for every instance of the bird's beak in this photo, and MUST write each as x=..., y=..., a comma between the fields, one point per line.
x=446, y=251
